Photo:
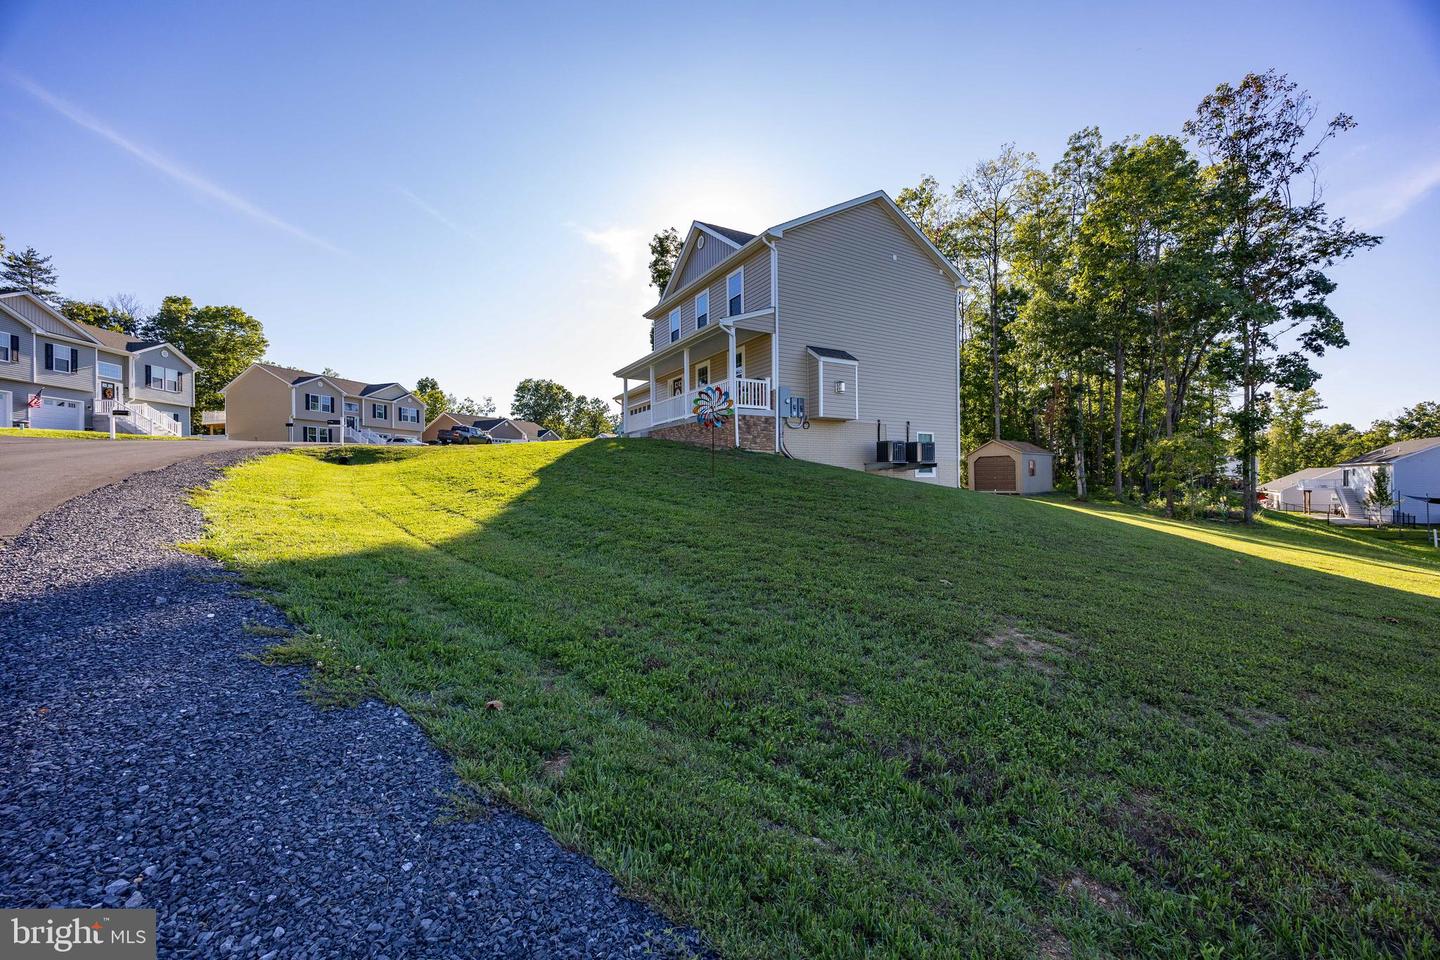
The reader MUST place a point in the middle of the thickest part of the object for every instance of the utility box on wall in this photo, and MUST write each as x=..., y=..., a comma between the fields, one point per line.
x=834, y=383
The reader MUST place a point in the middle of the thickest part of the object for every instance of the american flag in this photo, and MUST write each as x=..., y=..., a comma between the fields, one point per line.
x=35, y=400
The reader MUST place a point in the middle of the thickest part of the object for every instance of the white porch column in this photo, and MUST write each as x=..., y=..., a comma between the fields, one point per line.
x=685, y=371
x=624, y=405
x=652, y=394
x=734, y=387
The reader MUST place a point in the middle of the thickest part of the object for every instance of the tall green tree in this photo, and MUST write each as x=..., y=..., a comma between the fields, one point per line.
x=544, y=402
x=221, y=340
x=1421, y=420
x=664, y=251
x=932, y=208
x=122, y=314
x=1289, y=441
x=428, y=392
x=1277, y=239
x=27, y=270
x=988, y=205
x=588, y=417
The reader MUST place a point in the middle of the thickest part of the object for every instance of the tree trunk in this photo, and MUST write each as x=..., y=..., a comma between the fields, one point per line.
x=995, y=364
x=1119, y=417
x=1247, y=431
x=1081, y=490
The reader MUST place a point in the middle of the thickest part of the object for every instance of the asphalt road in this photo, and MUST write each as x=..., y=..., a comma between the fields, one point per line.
x=37, y=475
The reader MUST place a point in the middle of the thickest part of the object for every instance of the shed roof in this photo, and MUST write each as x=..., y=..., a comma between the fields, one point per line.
x=1299, y=476
x=830, y=353
x=1019, y=446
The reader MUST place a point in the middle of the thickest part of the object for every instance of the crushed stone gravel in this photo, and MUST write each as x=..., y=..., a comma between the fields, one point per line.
x=147, y=760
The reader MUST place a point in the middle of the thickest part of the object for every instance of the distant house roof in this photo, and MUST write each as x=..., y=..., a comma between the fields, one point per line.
x=117, y=341
x=487, y=423
x=1020, y=446
x=532, y=429
x=1397, y=451
x=737, y=237
x=355, y=388
x=830, y=353
x=1299, y=476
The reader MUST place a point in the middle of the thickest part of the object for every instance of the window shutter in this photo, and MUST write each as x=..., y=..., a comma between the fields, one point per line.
x=49, y=356
x=147, y=374
x=14, y=348
x=74, y=359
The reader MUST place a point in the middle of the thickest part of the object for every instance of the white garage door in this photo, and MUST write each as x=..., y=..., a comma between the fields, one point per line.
x=58, y=415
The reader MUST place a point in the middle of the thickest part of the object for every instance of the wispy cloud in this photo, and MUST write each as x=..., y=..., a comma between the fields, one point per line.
x=1392, y=198
x=164, y=165
x=625, y=248
x=434, y=212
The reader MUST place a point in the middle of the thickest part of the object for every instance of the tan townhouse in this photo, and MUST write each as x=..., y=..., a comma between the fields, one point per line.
x=835, y=334
x=270, y=402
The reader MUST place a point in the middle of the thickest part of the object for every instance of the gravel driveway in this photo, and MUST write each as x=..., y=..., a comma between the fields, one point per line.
x=146, y=761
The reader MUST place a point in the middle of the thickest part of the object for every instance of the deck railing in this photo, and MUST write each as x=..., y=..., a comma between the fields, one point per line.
x=749, y=394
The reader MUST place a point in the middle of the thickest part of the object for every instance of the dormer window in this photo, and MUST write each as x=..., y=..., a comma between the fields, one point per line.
x=702, y=309
x=735, y=292
x=674, y=324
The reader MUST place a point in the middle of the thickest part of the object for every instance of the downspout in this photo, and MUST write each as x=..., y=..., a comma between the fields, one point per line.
x=775, y=336
x=959, y=423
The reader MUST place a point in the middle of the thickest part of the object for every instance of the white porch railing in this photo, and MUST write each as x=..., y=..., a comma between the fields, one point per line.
x=750, y=396
x=143, y=418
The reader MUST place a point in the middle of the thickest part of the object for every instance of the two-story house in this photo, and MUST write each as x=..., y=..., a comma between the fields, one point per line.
x=58, y=374
x=269, y=402
x=830, y=332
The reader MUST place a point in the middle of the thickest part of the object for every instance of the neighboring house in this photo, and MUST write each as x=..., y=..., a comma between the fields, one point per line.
x=1312, y=490
x=1414, y=472
x=270, y=402
x=510, y=430
x=83, y=374
x=444, y=421
x=1011, y=466
x=843, y=321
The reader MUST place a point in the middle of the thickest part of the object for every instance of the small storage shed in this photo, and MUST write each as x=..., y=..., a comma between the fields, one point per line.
x=1011, y=466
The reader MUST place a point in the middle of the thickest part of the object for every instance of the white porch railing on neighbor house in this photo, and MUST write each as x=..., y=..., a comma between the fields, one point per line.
x=751, y=396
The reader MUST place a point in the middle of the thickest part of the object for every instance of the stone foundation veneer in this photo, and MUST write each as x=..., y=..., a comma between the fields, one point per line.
x=756, y=433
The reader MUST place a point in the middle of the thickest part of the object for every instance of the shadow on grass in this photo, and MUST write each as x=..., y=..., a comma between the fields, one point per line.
x=773, y=701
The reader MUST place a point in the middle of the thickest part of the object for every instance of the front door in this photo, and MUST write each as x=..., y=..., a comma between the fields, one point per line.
x=350, y=422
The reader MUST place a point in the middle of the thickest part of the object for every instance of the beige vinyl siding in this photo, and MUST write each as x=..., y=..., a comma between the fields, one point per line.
x=757, y=296
x=407, y=429
x=367, y=409
x=703, y=259
x=317, y=388
x=757, y=358
x=155, y=356
x=82, y=378
x=257, y=406
x=20, y=369
x=858, y=281
x=40, y=317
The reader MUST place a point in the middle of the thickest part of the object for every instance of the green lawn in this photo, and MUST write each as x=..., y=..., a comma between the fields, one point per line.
x=824, y=714
x=79, y=435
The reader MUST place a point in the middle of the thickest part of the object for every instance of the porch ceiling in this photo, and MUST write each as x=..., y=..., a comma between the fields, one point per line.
x=712, y=339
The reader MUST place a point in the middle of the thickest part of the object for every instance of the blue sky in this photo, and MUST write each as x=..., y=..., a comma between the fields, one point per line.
x=466, y=191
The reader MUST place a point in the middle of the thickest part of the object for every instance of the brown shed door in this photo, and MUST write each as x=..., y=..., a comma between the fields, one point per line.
x=994, y=473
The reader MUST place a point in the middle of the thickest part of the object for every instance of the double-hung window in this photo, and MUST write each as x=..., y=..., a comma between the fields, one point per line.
x=110, y=370
x=321, y=402
x=163, y=378
x=61, y=361
x=702, y=309
x=408, y=414
x=378, y=411
x=674, y=324
x=735, y=292
x=316, y=435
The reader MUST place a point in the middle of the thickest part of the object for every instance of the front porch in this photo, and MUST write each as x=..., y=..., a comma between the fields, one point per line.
x=730, y=356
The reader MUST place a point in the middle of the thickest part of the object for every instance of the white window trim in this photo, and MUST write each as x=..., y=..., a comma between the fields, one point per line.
x=351, y=407
x=919, y=438
x=674, y=325
x=56, y=360
x=117, y=376
x=380, y=411
x=738, y=272
x=5, y=351
x=739, y=361
x=402, y=418
x=703, y=365
x=706, y=294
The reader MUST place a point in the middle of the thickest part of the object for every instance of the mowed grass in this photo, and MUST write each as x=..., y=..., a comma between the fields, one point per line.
x=824, y=714
x=78, y=435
